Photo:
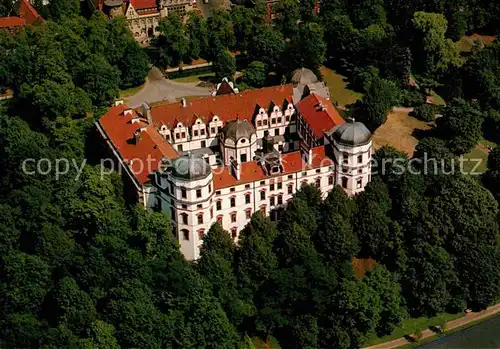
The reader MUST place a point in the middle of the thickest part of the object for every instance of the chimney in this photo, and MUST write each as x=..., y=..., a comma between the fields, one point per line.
x=184, y=102
x=118, y=102
x=236, y=169
x=146, y=112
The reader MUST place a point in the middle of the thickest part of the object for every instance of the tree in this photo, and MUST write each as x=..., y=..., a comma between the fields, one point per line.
x=372, y=110
x=307, y=49
x=64, y=8
x=172, y=43
x=255, y=74
x=460, y=126
x=243, y=25
x=425, y=112
x=134, y=66
x=224, y=65
x=288, y=16
x=220, y=33
x=267, y=46
x=434, y=53
x=197, y=32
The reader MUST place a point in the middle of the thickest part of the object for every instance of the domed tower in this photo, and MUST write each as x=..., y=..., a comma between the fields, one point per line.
x=303, y=76
x=352, y=147
x=114, y=8
x=191, y=187
x=238, y=141
x=306, y=82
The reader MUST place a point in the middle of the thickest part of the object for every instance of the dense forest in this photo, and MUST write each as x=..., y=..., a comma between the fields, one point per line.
x=80, y=267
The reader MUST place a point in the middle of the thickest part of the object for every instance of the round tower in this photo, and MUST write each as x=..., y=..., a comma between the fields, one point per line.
x=191, y=188
x=352, y=147
x=238, y=141
x=114, y=8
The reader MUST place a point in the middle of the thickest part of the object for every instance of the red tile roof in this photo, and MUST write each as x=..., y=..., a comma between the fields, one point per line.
x=12, y=22
x=143, y=157
x=226, y=107
x=319, y=119
x=141, y=4
x=27, y=15
x=252, y=172
x=28, y=12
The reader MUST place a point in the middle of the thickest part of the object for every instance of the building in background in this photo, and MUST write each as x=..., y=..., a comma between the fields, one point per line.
x=25, y=15
x=222, y=158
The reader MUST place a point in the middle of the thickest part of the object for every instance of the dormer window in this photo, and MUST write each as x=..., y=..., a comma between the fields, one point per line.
x=265, y=122
x=275, y=169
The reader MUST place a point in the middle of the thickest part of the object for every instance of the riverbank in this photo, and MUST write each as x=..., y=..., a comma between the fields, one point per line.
x=451, y=326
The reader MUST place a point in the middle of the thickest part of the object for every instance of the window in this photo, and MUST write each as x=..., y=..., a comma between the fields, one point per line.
x=232, y=190
x=183, y=134
x=198, y=193
x=259, y=123
x=271, y=187
x=218, y=205
x=273, y=121
x=201, y=234
x=247, y=198
x=234, y=232
x=167, y=137
x=345, y=181
x=184, y=218
x=217, y=192
x=280, y=185
x=233, y=217
x=280, y=199
x=264, y=122
x=248, y=214
x=345, y=158
x=200, y=219
x=290, y=189
x=262, y=183
x=262, y=195
x=177, y=135
x=243, y=158
x=271, y=201
x=199, y=206
x=330, y=180
x=179, y=147
x=212, y=130
x=232, y=201
x=219, y=128
x=290, y=176
x=195, y=133
x=211, y=212
x=210, y=188
x=287, y=118
x=279, y=120
x=184, y=206
x=172, y=213
x=359, y=183
x=203, y=144
x=247, y=186
x=219, y=219
x=360, y=159
x=304, y=174
x=318, y=170
x=183, y=193
x=185, y=234
x=318, y=182
x=202, y=132
x=280, y=148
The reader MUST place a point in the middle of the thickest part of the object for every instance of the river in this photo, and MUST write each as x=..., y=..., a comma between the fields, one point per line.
x=484, y=335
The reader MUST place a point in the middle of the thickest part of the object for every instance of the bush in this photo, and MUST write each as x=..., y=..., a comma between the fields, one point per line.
x=255, y=74
x=425, y=112
x=412, y=98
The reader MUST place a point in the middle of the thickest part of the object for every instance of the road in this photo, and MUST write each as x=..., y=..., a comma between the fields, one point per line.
x=494, y=309
x=157, y=88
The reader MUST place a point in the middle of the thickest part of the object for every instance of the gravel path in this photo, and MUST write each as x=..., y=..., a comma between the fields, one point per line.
x=158, y=88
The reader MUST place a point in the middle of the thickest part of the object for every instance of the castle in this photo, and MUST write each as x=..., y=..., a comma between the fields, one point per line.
x=222, y=158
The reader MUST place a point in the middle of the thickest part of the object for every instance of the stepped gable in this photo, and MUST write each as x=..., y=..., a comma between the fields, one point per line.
x=226, y=107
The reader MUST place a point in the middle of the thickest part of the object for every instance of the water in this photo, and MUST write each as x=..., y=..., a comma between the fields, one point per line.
x=483, y=335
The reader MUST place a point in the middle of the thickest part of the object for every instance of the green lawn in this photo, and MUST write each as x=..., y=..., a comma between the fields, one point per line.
x=196, y=78
x=479, y=153
x=338, y=87
x=413, y=325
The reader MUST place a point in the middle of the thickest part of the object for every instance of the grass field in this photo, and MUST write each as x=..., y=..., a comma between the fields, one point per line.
x=398, y=131
x=338, y=87
x=413, y=325
x=479, y=153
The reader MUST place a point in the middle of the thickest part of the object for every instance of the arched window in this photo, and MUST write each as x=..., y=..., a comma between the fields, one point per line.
x=201, y=234
x=218, y=205
x=247, y=198
x=290, y=189
x=345, y=158
x=345, y=181
x=185, y=234
x=200, y=218
x=232, y=201
x=184, y=217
